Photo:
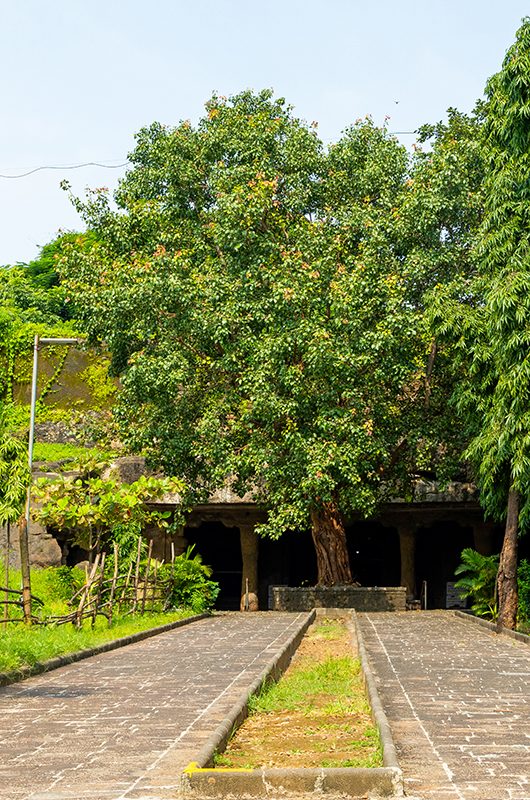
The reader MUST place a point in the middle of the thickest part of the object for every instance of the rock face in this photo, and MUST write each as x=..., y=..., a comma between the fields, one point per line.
x=127, y=469
x=44, y=550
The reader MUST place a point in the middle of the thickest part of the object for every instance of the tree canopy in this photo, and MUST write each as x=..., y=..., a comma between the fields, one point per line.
x=252, y=291
x=487, y=317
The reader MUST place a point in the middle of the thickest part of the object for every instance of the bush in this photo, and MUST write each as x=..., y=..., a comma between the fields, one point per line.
x=478, y=582
x=53, y=586
x=191, y=585
x=523, y=580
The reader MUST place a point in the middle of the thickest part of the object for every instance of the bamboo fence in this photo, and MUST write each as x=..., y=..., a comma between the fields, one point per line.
x=140, y=590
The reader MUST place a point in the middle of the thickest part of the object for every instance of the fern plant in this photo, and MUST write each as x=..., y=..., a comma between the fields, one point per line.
x=479, y=574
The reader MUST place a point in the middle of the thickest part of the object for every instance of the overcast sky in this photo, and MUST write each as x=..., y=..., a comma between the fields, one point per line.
x=79, y=77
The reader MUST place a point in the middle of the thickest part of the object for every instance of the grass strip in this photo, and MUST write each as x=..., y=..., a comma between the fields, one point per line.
x=56, y=451
x=317, y=715
x=22, y=646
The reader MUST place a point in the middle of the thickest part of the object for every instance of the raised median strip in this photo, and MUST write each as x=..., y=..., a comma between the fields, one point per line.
x=39, y=667
x=348, y=782
x=199, y=780
x=492, y=626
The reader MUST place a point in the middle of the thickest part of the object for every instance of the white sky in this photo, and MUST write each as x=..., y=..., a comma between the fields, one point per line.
x=79, y=77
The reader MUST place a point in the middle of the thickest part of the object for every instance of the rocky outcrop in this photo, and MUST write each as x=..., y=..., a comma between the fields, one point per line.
x=44, y=550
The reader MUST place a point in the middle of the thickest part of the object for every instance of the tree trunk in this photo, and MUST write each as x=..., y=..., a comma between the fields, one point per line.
x=249, y=577
x=6, y=578
x=507, y=573
x=329, y=539
x=25, y=569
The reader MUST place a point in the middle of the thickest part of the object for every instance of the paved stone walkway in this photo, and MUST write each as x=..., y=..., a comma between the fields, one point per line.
x=123, y=724
x=458, y=701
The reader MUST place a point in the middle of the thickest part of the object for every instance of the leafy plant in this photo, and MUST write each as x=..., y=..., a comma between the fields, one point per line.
x=479, y=574
x=252, y=290
x=93, y=509
x=52, y=587
x=14, y=475
x=523, y=581
x=191, y=585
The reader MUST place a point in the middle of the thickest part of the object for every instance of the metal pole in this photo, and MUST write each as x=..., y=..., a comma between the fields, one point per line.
x=24, y=523
x=32, y=412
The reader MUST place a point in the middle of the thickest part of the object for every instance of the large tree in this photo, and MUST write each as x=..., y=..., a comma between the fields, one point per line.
x=501, y=365
x=251, y=290
x=487, y=318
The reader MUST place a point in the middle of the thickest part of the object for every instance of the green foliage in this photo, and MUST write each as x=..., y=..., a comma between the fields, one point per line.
x=96, y=377
x=478, y=582
x=59, y=582
x=440, y=222
x=32, y=301
x=523, y=580
x=14, y=474
x=52, y=586
x=500, y=326
x=55, y=451
x=95, y=509
x=191, y=585
x=252, y=292
x=479, y=574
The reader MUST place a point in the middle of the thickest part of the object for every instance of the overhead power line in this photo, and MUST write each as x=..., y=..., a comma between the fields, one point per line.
x=67, y=166
x=119, y=166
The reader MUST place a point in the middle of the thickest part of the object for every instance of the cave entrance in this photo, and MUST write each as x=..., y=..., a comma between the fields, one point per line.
x=220, y=549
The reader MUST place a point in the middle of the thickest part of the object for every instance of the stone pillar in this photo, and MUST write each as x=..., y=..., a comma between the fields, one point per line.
x=407, y=547
x=483, y=538
x=180, y=544
x=249, y=578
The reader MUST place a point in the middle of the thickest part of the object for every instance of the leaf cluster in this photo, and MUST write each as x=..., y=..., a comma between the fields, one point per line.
x=98, y=509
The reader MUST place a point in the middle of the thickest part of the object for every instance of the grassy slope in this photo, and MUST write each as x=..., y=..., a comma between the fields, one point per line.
x=22, y=646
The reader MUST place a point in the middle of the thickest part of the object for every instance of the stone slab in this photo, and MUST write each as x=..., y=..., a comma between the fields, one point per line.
x=123, y=725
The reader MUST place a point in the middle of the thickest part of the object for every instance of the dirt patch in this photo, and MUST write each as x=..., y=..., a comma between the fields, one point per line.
x=316, y=716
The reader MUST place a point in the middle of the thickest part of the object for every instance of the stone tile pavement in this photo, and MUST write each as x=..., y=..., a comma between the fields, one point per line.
x=457, y=697
x=123, y=724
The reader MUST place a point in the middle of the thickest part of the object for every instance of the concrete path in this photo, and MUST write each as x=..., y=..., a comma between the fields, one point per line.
x=458, y=701
x=123, y=724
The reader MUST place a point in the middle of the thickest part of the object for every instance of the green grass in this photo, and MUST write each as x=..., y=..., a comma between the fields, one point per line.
x=53, y=586
x=21, y=645
x=24, y=646
x=52, y=451
x=332, y=684
x=328, y=629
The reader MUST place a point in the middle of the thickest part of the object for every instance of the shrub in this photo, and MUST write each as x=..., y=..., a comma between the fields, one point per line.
x=523, y=580
x=191, y=585
x=53, y=586
x=478, y=581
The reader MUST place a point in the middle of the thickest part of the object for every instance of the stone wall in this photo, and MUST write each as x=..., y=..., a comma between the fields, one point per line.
x=44, y=550
x=361, y=598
